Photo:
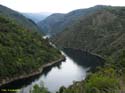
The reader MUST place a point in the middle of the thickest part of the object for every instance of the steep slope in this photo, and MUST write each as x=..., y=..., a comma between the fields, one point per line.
x=22, y=52
x=36, y=17
x=102, y=32
x=18, y=17
x=65, y=20
x=50, y=23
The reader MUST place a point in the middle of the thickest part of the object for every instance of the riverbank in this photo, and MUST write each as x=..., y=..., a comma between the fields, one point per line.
x=88, y=52
x=40, y=70
x=110, y=75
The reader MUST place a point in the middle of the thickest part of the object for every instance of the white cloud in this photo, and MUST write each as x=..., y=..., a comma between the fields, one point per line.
x=55, y=5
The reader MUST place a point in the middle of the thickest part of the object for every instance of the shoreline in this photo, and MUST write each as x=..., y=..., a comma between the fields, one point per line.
x=40, y=70
x=92, y=53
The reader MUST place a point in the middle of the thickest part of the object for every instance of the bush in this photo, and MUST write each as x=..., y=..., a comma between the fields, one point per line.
x=98, y=83
x=38, y=89
x=21, y=49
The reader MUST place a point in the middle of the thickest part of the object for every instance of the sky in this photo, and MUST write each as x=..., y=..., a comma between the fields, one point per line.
x=56, y=6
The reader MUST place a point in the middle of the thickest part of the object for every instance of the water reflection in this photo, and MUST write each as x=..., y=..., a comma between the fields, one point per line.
x=83, y=58
x=61, y=74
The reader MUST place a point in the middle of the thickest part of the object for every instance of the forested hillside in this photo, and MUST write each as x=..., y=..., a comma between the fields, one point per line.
x=101, y=33
x=57, y=22
x=22, y=51
x=19, y=18
x=50, y=23
x=99, y=30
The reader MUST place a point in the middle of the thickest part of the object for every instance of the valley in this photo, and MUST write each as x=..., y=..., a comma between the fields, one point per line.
x=58, y=74
x=90, y=40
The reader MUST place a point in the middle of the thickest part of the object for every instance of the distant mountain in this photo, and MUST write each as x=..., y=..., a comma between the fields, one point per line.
x=50, y=26
x=36, y=17
x=18, y=17
x=50, y=23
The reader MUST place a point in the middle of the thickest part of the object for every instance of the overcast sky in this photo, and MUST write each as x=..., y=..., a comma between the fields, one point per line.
x=61, y=6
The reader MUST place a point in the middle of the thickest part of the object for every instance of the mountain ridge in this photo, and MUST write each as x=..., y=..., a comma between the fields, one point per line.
x=14, y=15
x=95, y=32
x=66, y=19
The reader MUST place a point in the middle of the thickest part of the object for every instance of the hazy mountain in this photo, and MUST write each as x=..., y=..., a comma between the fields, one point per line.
x=50, y=23
x=64, y=20
x=36, y=17
x=18, y=17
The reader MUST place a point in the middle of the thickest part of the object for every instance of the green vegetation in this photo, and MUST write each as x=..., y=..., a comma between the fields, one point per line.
x=57, y=22
x=105, y=80
x=22, y=51
x=20, y=19
x=108, y=79
x=96, y=83
x=102, y=33
x=38, y=89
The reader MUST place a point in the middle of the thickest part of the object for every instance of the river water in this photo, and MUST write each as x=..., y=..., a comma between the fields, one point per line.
x=74, y=68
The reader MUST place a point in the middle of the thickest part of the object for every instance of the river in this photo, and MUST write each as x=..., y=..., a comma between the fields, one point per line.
x=74, y=68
